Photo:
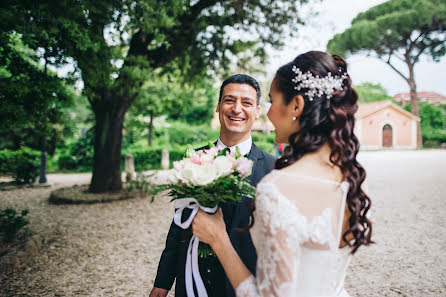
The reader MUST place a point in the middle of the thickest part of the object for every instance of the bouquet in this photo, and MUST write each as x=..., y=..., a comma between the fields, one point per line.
x=202, y=180
x=212, y=177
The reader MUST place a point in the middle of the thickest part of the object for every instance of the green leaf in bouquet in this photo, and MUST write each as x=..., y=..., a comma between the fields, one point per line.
x=190, y=152
x=223, y=152
x=205, y=250
x=211, y=144
x=238, y=154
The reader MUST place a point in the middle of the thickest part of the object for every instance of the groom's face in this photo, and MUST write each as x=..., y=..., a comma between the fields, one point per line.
x=238, y=109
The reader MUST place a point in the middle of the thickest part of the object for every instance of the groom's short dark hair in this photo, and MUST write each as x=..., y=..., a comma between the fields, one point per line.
x=241, y=79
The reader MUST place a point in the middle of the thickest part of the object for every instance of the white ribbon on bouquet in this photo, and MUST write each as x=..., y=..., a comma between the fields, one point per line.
x=192, y=273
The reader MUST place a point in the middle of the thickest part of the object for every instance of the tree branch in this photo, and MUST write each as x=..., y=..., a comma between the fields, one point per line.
x=395, y=69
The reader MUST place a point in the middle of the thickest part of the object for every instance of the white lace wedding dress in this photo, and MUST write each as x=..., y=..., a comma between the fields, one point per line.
x=297, y=231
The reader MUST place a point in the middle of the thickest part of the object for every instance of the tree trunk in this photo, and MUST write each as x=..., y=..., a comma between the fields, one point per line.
x=151, y=128
x=42, y=178
x=414, y=104
x=107, y=148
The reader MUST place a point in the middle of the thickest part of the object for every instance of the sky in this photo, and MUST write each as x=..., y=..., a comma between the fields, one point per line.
x=335, y=16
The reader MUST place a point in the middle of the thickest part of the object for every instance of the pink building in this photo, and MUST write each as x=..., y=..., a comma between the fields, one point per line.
x=429, y=97
x=383, y=124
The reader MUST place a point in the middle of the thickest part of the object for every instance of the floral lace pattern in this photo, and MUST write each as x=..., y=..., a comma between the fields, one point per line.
x=282, y=230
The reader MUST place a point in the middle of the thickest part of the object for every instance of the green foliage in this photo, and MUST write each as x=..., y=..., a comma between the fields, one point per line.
x=395, y=25
x=150, y=157
x=22, y=165
x=433, y=124
x=264, y=141
x=370, y=92
x=78, y=156
x=224, y=189
x=432, y=117
x=11, y=223
x=397, y=29
x=182, y=134
x=192, y=103
x=32, y=97
x=4, y=161
x=199, y=99
x=117, y=45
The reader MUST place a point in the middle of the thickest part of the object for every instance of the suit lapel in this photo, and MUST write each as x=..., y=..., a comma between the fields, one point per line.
x=255, y=155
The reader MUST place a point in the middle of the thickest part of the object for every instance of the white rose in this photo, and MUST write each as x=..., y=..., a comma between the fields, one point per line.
x=186, y=174
x=203, y=175
x=223, y=165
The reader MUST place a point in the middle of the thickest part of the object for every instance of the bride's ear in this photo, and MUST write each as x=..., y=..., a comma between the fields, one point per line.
x=297, y=104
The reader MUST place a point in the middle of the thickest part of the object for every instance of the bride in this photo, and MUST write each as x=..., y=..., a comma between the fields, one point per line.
x=310, y=212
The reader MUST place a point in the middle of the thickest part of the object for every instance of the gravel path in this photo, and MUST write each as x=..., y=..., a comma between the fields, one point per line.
x=113, y=249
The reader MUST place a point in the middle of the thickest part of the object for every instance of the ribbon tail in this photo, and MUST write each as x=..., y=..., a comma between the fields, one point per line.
x=201, y=290
x=188, y=271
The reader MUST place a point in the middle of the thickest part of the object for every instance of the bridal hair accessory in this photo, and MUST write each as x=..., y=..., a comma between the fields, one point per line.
x=317, y=86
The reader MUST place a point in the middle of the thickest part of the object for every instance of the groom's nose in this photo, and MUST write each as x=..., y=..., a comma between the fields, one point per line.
x=237, y=106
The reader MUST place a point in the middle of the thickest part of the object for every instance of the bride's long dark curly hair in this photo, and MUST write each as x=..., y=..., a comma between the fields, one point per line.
x=329, y=121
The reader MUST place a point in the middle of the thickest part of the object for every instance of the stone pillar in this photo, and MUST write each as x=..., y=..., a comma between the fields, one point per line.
x=165, y=159
x=129, y=167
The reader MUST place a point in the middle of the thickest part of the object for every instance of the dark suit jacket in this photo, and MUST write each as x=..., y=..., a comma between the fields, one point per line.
x=173, y=258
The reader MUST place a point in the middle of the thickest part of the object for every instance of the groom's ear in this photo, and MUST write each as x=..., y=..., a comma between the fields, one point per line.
x=258, y=112
x=218, y=107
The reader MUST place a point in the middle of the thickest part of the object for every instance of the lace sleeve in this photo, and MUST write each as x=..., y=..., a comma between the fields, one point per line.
x=278, y=246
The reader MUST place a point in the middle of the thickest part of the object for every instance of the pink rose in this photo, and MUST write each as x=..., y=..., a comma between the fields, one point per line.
x=196, y=159
x=244, y=166
x=212, y=151
x=177, y=165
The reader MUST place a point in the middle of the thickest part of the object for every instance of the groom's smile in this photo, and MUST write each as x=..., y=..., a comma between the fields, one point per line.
x=237, y=110
x=236, y=119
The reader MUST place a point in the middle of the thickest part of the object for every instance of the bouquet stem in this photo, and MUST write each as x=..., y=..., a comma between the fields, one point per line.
x=205, y=250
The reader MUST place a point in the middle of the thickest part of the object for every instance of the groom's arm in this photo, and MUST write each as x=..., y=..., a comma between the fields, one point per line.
x=167, y=266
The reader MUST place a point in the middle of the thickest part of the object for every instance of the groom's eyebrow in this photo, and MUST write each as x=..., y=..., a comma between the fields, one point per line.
x=247, y=98
x=235, y=97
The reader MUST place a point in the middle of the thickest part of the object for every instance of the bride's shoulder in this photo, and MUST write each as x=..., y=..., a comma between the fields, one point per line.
x=270, y=177
x=268, y=185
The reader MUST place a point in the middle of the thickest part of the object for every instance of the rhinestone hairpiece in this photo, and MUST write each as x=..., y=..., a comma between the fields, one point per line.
x=317, y=86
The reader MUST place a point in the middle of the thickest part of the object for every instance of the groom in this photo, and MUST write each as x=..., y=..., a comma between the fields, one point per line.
x=238, y=108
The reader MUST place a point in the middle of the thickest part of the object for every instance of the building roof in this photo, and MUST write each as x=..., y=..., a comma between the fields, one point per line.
x=365, y=109
x=427, y=95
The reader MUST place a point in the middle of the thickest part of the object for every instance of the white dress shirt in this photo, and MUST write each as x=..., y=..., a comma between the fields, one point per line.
x=244, y=147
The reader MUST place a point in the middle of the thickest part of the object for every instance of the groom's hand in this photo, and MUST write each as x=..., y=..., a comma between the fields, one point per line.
x=158, y=292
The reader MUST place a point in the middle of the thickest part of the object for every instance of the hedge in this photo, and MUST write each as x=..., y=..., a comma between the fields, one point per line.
x=145, y=159
x=150, y=158
x=433, y=138
x=23, y=165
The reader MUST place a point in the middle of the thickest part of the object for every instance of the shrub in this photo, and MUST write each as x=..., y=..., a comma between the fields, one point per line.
x=264, y=141
x=11, y=223
x=433, y=138
x=4, y=161
x=23, y=165
x=182, y=134
x=78, y=156
x=150, y=158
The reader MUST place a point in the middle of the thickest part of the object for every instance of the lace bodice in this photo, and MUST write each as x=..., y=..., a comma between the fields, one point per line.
x=297, y=231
